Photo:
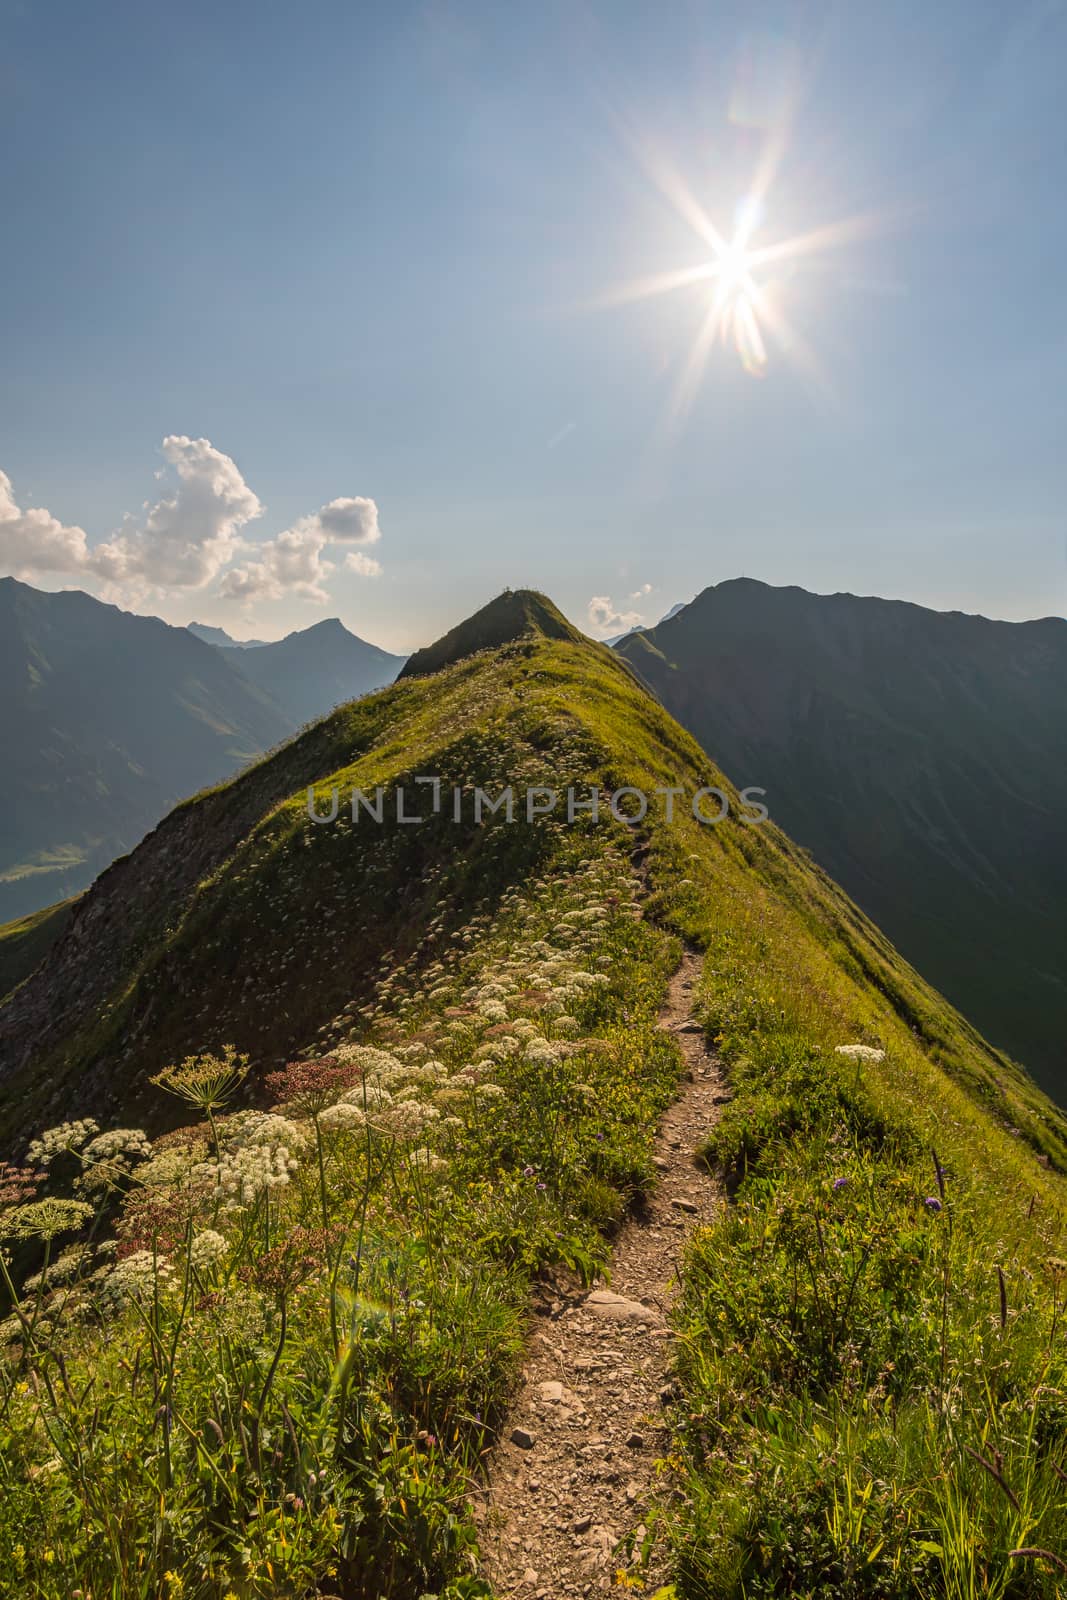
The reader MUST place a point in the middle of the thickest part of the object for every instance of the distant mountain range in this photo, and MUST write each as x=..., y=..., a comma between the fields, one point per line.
x=108, y=719
x=309, y=672
x=219, y=636
x=921, y=756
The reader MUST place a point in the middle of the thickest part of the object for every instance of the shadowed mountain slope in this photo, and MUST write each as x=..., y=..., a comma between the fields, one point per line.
x=921, y=756
x=107, y=719
x=309, y=672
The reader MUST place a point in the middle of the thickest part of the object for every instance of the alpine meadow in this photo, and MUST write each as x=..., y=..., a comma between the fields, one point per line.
x=302, y=1121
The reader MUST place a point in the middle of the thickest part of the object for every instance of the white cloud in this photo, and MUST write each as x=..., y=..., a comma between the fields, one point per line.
x=189, y=536
x=639, y=594
x=603, y=617
x=188, y=539
x=34, y=540
x=366, y=566
x=294, y=562
x=353, y=521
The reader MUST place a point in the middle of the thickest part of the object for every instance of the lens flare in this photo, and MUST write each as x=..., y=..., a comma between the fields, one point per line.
x=746, y=284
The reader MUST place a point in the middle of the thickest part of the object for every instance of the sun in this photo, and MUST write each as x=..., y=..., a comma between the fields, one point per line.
x=737, y=305
x=733, y=269
x=745, y=281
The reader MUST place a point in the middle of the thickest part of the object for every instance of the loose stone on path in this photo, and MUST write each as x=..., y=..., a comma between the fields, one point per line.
x=572, y=1479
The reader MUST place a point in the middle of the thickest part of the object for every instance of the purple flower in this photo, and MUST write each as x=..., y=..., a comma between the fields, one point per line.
x=933, y=1202
x=529, y=1172
x=542, y=1186
x=840, y=1183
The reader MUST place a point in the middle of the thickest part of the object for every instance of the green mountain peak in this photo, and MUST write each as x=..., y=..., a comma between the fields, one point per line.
x=516, y=614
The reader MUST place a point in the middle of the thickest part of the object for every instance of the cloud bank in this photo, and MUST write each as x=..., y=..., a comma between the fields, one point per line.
x=188, y=541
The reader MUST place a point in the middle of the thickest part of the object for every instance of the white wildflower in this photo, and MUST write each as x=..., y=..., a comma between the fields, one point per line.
x=248, y=1171
x=405, y=1121
x=173, y=1165
x=68, y=1136
x=207, y=1249
x=343, y=1117
x=111, y=1156
x=369, y=1097
x=427, y=1162
x=134, y=1278
x=267, y=1128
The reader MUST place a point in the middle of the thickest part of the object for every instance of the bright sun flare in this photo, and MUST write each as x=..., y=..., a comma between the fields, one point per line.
x=743, y=306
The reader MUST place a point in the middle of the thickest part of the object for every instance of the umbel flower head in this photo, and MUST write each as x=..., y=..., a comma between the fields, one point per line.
x=17, y=1184
x=44, y=1219
x=110, y=1158
x=205, y=1081
x=67, y=1138
x=860, y=1052
x=310, y=1086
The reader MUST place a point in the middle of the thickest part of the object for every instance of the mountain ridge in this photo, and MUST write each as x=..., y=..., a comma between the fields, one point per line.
x=920, y=755
x=457, y=1060
x=107, y=718
x=508, y=617
x=194, y=868
x=313, y=669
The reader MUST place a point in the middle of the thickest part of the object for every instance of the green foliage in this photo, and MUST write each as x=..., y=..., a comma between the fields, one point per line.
x=25, y=942
x=870, y=1344
x=288, y=1376
x=271, y=1361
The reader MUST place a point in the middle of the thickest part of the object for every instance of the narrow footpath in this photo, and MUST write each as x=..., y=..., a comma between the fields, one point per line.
x=571, y=1481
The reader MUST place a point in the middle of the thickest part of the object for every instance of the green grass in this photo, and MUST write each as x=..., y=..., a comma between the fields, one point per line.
x=864, y=1413
x=333, y=1349
x=298, y=1403
x=25, y=942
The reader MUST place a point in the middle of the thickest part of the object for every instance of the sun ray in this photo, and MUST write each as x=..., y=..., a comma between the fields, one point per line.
x=747, y=275
x=849, y=230
x=656, y=283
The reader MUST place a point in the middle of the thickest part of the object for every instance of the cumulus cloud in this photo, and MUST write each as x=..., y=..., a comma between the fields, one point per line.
x=352, y=521
x=190, y=535
x=35, y=541
x=604, y=618
x=190, y=538
x=365, y=566
x=295, y=563
x=639, y=594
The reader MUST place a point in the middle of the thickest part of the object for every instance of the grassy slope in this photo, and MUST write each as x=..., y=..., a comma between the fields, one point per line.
x=792, y=1311
x=843, y=1344
x=24, y=943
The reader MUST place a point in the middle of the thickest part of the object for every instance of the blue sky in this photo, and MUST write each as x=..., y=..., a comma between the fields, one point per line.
x=364, y=252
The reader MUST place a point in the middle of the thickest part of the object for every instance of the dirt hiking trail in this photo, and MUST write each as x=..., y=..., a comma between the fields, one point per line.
x=575, y=1470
